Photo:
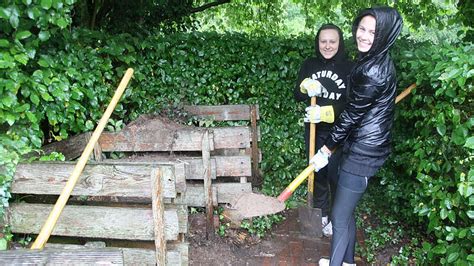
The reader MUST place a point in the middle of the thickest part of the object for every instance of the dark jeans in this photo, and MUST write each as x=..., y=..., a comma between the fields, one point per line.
x=325, y=181
x=349, y=191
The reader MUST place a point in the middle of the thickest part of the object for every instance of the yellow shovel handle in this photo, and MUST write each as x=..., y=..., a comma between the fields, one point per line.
x=312, y=151
x=66, y=192
x=286, y=194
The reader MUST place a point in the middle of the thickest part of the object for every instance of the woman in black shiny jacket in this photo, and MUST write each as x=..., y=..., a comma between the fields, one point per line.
x=363, y=128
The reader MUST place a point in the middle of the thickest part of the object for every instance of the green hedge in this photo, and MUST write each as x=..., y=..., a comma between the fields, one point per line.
x=64, y=86
x=430, y=177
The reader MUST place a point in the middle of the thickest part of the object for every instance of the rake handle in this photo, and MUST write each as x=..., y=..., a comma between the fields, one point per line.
x=53, y=217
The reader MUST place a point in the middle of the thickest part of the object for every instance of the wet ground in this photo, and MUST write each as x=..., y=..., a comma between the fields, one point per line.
x=284, y=245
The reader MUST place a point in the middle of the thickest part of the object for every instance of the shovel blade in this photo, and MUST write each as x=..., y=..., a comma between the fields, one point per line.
x=248, y=205
x=310, y=221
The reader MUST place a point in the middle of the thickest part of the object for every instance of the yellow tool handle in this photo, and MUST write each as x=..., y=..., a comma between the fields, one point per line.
x=312, y=144
x=405, y=92
x=286, y=194
x=66, y=192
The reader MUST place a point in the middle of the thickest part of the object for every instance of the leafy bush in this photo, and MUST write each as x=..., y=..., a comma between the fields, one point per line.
x=25, y=26
x=430, y=177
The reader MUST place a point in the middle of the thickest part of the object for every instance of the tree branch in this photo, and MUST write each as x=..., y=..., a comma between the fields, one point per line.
x=208, y=5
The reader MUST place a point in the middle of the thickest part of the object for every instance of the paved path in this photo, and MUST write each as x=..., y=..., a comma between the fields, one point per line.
x=298, y=248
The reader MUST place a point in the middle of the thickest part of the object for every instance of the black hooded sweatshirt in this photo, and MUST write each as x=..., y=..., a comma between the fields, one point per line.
x=331, y=73
x=367, y=119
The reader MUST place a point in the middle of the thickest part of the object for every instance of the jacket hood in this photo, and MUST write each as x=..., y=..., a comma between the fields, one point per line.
x=341, y=53
x=387, y=28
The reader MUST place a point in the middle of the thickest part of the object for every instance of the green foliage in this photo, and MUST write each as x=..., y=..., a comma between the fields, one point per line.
x=383, y=226
x=134, y=16
x=260, y=225
x=25, y=26
x=431, y=170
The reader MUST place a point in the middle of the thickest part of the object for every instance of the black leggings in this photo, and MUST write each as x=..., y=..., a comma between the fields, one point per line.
x=325, y=181
x=349, y=191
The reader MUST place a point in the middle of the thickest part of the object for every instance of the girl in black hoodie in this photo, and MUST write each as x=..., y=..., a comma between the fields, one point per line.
x=363, y=128
x=331, y=69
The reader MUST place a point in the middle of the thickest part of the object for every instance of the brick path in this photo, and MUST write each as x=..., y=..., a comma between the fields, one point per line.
x=298, y=249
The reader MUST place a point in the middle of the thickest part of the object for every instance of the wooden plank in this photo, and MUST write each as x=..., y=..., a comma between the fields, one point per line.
x=61, y=257
x=221, y=166
x=97, y=153
x=207, y=174
x=256, y=180
x=220, y=112
x=173, y=140
x=95, y=221
x=105, y=179
x=71, y=148
x=177, y=253
x=179, y=173
x=158, y=216
x=222, y=193
x=231, y=137
x=233, y=165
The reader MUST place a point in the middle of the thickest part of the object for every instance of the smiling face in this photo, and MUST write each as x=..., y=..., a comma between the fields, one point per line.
x=328, y=43
x=365, y=33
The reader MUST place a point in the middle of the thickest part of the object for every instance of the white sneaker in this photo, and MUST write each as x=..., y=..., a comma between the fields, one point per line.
x=327, y=230
x=323, y=262
x=348, y=264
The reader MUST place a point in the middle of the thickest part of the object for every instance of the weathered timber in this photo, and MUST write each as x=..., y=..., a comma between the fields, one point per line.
x=158, y=217
x=222, y=193
x=221, y=166
x=71, y=148
x=256, y=180
x=177, y=253
x=97, y=221
x=221, y=112
x=105, y=179
x=207, y=174
x=107, y=256
x=173, y=140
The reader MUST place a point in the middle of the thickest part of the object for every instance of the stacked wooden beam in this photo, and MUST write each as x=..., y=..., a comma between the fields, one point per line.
x=112, y=202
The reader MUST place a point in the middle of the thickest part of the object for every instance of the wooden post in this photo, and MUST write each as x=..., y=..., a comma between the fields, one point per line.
x=158, y=216
x=206, y=161
x=97, y=152
x=256, y=180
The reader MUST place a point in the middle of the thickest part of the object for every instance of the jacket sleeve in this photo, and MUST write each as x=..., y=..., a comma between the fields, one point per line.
x=302, y=74
x=360, y=100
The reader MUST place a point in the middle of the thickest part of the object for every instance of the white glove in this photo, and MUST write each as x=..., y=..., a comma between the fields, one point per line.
x=320, y=160
x=316, y=114
x=312, y=87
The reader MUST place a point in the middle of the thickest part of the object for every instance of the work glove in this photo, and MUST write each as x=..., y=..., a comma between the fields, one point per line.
x=312, y=87
x=320, y=160
x=316, y=114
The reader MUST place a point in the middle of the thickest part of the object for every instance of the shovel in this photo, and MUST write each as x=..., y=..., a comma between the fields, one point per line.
x=310, y=217
x=248, y=204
